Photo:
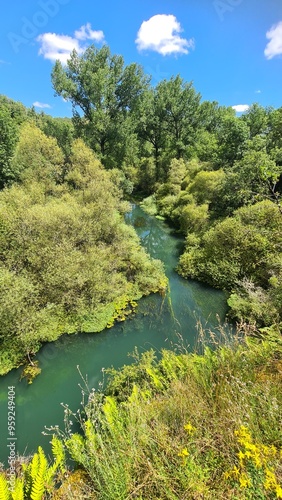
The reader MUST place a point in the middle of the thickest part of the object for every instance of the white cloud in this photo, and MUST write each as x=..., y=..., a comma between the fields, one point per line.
x=59, y=47
x=38, y=104
x=161, y=34
x=55, y=47
x=274, y=46
x=86, y=33
x=257, y=91
x=240, y=108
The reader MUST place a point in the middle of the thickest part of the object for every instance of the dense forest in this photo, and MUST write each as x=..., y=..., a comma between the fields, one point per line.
x=69, y=263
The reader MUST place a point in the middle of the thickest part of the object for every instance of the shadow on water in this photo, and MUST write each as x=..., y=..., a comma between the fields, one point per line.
x=158, y=323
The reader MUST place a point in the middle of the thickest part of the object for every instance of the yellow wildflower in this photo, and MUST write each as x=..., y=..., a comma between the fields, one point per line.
x=273, y=450
x=241, y=456
x=251, y=447
x=257, y=460
x=278, y=491
x=244, y=481
x=189, y=428
x=184, y=453
x=226, y=475
x=235, y=471
x=270, y=482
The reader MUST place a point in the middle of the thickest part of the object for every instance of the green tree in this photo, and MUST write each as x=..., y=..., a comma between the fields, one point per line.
x=104, y=91
x=60, y=129
x=232, y=135
x=180, y=102
x=257, y=120
x=151, y=130
x=251, y=179
x=37, y=157
x=8, y=141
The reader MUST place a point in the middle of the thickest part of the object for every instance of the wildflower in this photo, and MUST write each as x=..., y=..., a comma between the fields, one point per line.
x=235, y=471
x=251, y=447
x=184, y=453
x=257, y=460
x=226, y=475
x=244, y=481
x=270, y=482
x=278, y=491
x=241, y=456
x=189, y=428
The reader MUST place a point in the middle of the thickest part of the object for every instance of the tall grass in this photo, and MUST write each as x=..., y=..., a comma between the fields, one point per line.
x=185, y=426
x=168, y=429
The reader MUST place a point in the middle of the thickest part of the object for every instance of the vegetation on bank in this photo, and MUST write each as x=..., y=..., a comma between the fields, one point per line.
x=184, y=426
x=189, y=425
x=215, y=176
x=69, y=263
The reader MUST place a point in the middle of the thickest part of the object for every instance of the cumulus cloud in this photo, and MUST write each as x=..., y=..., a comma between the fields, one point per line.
x=240, y=108
x=38, y=104
x=161, y=33
x=86, y=33
x=274, y=46
x=59, y=47
x=55, y=47
x=258, y=91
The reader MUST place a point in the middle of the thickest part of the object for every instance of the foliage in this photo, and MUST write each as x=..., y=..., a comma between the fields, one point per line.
x=184, y=426
x=67, y=256
x=37, y=478
x=257, y=468
x=104, y=91
x=242, y=253
x=8, y=140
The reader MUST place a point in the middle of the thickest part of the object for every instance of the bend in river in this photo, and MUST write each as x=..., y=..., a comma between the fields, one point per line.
x=158, y=323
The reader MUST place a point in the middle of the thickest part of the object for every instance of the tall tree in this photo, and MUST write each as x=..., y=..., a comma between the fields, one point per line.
x=102, y=92
x=8, y=140
x=256, y=118
x=233, y=135
x=181, y=104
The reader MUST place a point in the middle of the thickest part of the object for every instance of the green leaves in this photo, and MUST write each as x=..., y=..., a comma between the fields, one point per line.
x=66, y=254
x=104, y=94
x=4, y=490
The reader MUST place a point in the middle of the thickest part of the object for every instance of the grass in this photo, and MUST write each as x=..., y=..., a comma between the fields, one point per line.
x=187, y=426
x=169, y=429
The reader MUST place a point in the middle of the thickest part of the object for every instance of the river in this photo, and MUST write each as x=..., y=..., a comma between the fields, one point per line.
x=159, y=323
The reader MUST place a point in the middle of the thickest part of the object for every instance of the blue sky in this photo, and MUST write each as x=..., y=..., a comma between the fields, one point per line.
x=230, y=49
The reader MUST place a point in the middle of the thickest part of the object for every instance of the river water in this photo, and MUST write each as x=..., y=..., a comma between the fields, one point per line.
x=159, y=323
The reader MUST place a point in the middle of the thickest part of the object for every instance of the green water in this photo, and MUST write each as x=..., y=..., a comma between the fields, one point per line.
x=157, y=324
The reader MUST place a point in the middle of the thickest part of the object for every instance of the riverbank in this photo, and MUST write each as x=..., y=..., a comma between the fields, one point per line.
x=159, y=322
x=184, y=426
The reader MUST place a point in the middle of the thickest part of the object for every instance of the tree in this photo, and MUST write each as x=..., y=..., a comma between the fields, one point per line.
x=253, y=178
x=180, y=103
x=60, y=129
x=8, y=141
x=150, y=126
x=232, y=135
x=206, y=186
x=104, y=91
x=274, y=136
x=37, y=157
x=257, y=120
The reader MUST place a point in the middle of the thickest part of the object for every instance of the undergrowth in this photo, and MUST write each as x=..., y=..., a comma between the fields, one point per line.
x=186, y=426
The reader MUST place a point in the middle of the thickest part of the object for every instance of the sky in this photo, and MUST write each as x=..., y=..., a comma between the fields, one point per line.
x=230, y=49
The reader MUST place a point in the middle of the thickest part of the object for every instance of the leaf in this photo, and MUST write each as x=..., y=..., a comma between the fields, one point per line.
x=4, y=490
